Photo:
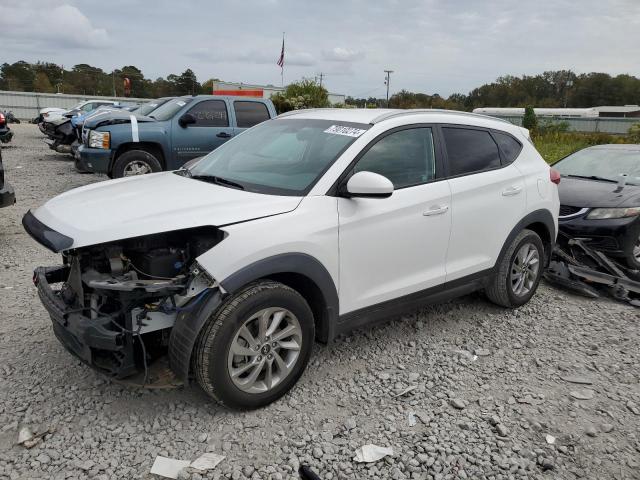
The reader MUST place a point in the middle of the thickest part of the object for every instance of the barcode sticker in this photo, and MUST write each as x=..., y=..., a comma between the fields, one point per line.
x=342, y=130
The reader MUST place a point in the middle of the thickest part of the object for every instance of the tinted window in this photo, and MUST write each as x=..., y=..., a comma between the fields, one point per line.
x=470, y=150
x=405, y=157
x=510, y=146
x=249, y=114
x=210, y=113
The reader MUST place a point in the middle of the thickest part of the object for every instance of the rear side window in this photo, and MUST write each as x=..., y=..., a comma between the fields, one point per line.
x=405, y=157
x=249, y=114
x=470, y=151
x=510, y=146
x=210, y=113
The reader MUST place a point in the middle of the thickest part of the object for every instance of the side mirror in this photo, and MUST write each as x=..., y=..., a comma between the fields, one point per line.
x=186, y=119
x=369, y=185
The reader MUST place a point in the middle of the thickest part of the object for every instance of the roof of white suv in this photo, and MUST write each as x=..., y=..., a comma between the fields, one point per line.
x=376, y=115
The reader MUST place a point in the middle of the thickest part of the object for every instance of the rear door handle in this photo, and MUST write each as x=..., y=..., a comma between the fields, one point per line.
x=435, y=210
x=224, y=135
x=511, y=191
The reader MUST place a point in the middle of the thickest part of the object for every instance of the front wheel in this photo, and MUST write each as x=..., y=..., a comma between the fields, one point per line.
x=518, y=272
x=135, y=162
x=254, y=349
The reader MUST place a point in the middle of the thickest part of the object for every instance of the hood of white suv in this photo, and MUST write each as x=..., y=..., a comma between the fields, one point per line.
x=147, y=204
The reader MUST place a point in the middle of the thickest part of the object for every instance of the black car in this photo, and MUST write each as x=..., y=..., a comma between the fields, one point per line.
x=5, y=132
x=7, y=196
x=600, y=199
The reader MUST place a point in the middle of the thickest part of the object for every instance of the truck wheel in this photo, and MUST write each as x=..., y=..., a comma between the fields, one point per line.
x=256, y=346
x=518, y=271
x=135, y=162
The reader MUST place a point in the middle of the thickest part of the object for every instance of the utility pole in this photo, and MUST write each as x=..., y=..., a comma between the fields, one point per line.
x=321, y=75
x=567, y=86
x=386, y=82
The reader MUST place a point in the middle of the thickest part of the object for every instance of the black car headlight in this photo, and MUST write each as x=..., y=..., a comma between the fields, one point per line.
x=608, y=213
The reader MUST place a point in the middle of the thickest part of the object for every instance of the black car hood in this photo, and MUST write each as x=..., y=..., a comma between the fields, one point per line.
x=578, y=192
x=113, y=117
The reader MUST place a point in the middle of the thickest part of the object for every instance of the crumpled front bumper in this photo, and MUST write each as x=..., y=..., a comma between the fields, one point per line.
x=95, y=341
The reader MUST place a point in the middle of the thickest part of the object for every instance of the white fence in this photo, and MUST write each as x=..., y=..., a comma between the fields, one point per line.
x=25, y=105
x=586, y=125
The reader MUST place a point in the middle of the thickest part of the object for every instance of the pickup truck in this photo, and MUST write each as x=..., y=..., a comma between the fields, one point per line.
x=178, y=131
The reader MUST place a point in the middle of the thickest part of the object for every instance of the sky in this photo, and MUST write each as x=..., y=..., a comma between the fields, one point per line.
x=432, y=46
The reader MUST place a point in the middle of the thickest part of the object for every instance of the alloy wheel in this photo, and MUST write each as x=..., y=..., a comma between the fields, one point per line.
x=524, y=269
x=137, y=167
x=264, y=350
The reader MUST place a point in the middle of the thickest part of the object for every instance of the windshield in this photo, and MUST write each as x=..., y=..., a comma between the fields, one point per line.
x=169, y=109
x=600, y=163
x=148, y=107
x=283, y=157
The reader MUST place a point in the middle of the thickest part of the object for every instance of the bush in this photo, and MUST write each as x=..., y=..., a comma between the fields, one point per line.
x=555, y=145
x=303, y=94
x=634, y=133
x=549, y=126
x=529, y=121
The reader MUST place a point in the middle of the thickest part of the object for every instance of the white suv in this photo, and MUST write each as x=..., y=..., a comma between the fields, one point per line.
x=301, y=228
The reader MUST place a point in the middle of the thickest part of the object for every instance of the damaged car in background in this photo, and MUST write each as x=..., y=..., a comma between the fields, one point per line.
x=304, y=227
x=599, y=221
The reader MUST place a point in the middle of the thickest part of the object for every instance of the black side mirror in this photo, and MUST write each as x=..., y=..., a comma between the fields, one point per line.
x=186, y=119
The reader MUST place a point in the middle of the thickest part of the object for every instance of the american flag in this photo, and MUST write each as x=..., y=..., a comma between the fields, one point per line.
x=281, y=59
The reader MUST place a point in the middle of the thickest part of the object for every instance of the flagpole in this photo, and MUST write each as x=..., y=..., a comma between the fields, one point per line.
x=282, y=67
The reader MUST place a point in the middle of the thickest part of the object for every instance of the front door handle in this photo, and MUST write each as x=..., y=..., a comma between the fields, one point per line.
x=511, y=191
x=435, y=210
x=224, y=135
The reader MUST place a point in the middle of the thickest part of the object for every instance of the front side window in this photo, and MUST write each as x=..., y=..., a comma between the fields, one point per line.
x=470, y=150
x=210, y=113
x=405, y=157
x=282, y=157
x=249, y=114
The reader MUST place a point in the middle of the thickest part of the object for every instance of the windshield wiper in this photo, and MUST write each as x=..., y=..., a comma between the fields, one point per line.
x=218, y=180
x=593, y=177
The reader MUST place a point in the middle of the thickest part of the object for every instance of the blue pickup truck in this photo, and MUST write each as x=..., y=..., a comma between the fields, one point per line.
x=123, y=143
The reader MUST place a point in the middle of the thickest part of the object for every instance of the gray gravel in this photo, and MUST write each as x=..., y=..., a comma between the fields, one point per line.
x=488, y=386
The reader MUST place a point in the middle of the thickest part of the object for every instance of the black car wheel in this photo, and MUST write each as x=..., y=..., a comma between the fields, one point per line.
x=255, y=347
x=135, y=162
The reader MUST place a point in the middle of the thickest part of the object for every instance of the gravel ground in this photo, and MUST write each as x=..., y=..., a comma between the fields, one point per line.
x=489, y=386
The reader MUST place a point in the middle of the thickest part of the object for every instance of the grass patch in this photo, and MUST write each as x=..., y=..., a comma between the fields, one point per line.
x=555, y=145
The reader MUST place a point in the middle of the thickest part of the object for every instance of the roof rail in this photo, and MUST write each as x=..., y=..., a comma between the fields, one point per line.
x=416, y=111
x=303, y=110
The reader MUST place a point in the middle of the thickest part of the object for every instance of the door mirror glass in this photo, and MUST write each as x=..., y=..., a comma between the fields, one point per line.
x=186, y=119
x=369, y=185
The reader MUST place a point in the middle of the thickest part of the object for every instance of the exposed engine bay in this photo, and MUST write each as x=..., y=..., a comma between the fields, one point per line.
x=121, y=298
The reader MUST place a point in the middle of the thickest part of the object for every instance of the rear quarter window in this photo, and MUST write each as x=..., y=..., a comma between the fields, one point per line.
x=509, y=146
x=249, y=114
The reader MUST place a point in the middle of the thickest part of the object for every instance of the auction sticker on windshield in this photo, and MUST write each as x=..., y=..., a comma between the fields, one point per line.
x=342, y=130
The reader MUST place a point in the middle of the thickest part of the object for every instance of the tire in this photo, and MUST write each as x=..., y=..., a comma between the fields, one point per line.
x=127, y=163
x=503, y=288
x=215, y=363
x=632, y=257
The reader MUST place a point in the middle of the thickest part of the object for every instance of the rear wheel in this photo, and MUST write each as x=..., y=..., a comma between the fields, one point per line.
x=135, y=162
x=255, y=347
x=518, y=271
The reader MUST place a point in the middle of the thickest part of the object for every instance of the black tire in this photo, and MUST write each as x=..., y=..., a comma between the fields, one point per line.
x=124, y=161
x=500, y=289
x=215, y=340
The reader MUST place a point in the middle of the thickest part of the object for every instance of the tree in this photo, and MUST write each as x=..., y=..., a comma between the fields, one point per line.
x=305, y=93
x=529, y=121
x=42, y=83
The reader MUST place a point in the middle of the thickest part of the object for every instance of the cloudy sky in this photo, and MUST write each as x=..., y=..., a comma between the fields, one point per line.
x=442, y=46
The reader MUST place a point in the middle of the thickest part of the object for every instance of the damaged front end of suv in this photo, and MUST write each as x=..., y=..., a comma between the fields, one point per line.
x=114, y=305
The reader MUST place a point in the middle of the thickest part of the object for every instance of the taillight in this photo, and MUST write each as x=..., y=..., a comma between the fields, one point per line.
x=554, y=176
x=2, y=119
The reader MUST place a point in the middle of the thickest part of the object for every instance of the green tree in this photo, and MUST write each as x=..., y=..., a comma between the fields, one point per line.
x=42, y=83
x=305, y=93
x=529, y=121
